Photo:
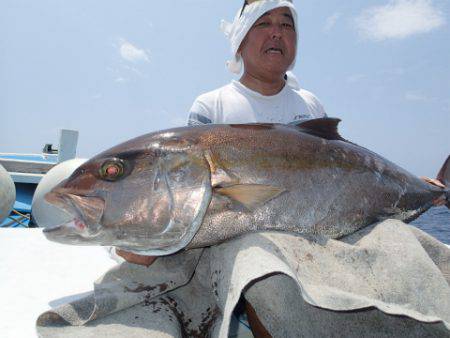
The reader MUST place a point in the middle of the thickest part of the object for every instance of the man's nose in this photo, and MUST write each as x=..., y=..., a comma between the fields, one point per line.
x=276, y=32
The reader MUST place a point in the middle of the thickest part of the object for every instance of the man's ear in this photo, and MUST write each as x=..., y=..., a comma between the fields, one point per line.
x=243, y=42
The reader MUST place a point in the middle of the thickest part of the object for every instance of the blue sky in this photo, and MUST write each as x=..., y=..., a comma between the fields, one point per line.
x=115, y=70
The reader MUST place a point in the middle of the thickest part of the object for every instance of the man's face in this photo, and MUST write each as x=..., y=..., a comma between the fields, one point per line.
x=269, y=47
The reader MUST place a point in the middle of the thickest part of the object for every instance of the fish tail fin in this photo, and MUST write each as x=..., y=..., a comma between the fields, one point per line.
x=444, y=177
x=444, y=173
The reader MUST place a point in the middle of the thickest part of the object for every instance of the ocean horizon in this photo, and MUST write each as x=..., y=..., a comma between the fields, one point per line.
x=435, y=222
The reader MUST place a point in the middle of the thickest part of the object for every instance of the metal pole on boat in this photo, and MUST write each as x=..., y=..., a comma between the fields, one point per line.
x=67, y=149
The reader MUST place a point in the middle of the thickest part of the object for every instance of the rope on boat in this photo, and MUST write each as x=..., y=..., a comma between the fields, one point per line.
x=20, y=214
x=22, y=218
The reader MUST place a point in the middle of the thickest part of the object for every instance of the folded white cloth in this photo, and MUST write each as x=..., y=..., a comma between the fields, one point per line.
x=389, y=279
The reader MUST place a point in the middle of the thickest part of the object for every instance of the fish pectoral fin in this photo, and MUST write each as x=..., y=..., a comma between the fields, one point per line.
x=219, y=176
x=250, y=195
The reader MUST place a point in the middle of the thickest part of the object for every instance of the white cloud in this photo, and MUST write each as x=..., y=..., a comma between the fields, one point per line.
x=134, y=70
x=416, y=96
x=331, y=22
x=394, y=72
x=355, y=78
x=132, y=53
x=399, y=19
x=120, y=79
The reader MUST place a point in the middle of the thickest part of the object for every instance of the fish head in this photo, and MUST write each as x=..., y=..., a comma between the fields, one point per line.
x=150, y=200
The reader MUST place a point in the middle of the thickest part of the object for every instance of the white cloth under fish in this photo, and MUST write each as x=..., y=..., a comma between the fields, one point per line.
x=386, y=280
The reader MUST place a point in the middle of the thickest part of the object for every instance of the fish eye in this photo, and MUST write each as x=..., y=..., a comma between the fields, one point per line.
x=112, y=170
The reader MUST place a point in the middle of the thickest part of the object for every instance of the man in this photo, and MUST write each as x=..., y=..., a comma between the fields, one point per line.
x=263, y=40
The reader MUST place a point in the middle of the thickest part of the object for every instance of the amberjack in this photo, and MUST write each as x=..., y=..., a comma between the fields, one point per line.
x=198, y=186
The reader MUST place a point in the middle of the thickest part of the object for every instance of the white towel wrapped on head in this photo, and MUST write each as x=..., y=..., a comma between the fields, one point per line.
x=237, y=30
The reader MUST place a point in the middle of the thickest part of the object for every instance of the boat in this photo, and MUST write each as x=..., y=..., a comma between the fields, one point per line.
x=27, y=170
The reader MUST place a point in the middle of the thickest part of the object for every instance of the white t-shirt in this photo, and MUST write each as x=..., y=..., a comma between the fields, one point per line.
x=235, y=103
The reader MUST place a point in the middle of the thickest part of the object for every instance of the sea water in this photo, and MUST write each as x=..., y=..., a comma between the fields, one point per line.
x=436, y=222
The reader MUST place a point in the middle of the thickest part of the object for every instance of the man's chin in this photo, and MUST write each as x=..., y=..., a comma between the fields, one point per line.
x=275, y=64
x=275, y=70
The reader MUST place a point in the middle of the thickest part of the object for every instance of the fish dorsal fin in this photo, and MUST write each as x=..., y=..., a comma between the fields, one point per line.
x=325, y=127
x=250, y=195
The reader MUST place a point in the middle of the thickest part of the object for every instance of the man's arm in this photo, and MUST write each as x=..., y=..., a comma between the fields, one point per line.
x=136, y=259
x=196, y=119
x=199, y=114
x=315, y=107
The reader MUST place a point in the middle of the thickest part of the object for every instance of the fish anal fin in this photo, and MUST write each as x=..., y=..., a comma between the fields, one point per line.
x=325, y=127
x=250, y=195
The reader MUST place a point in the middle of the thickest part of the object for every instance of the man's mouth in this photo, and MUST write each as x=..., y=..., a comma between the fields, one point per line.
x=274, y=50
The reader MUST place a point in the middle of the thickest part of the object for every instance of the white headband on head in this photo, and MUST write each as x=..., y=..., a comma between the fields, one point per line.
x=242, y=23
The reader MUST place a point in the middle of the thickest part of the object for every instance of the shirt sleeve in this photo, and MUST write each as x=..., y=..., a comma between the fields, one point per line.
x=199, y=114
x=319, y=110
x=315, y=108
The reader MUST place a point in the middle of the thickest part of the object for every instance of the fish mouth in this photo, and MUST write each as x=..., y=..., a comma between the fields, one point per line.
x=86, y=211
x=72, y=232
x=63, y=202
x=76, y=225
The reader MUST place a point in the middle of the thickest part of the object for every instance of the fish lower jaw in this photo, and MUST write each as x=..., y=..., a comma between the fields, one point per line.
x=79, y=224
x=76, y=226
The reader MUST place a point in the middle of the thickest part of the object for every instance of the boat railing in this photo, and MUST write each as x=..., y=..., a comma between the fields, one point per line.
x=30, y=168
x=27, y=170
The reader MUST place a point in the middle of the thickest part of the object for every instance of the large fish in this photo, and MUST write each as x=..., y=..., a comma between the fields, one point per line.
x=198, y=186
